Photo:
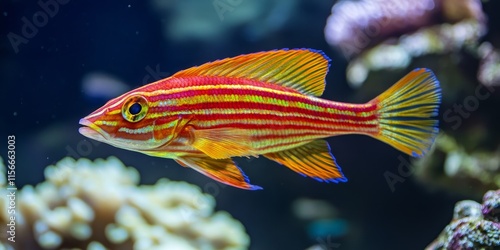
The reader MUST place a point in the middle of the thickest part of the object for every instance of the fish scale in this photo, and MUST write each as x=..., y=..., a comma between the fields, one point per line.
x=215, y=104
x=264, y=103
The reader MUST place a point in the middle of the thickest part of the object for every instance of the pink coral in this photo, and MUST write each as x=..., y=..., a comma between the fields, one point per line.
x=356, y=26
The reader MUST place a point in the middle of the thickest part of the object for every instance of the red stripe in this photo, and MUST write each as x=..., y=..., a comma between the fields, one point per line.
x=328, y=126
x=338, y=122
x=244, y=92
x=270, y=107
x=183, y=82
x=281, y=136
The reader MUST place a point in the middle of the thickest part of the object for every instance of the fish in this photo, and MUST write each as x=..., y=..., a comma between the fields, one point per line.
x=263, y=104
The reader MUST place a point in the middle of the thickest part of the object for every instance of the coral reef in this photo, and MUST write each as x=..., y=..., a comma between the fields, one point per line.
x=376, y=34
x=358, y=25
x=98, y=205
x=474, y=226
x=451, y=167
x=455, y=40
x=489, y=68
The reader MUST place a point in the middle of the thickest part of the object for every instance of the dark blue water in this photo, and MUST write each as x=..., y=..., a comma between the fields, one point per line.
x=41, y=72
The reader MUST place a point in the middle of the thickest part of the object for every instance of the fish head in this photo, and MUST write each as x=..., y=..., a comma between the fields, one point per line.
x=130, y=122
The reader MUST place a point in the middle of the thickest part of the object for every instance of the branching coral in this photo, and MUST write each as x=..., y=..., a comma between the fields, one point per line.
x=98, y=205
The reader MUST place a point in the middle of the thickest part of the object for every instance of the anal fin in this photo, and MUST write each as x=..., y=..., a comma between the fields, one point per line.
x=313, y=159
x=222, y=170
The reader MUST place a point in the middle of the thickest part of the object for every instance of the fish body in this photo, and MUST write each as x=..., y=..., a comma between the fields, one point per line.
x=265, y=103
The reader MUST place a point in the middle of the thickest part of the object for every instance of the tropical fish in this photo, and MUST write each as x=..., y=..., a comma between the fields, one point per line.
x=265, y=103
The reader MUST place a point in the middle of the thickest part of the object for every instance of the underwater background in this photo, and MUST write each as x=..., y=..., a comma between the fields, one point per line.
x=62, y=59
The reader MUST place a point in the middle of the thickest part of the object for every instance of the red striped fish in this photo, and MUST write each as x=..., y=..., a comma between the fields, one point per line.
x=266, y=104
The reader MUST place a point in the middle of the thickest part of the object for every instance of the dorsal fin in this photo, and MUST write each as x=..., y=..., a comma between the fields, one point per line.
x=301, y=69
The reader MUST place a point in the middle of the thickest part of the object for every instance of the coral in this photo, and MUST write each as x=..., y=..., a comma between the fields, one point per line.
x=474, y=226
x=99, y=205
x=451, y=37
x=357, y=25
x=380, y=34
x=439, y=39
x=451, y=167
x=489, y=68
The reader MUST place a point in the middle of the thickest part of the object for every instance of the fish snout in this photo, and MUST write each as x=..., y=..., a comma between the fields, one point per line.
x=91, y=130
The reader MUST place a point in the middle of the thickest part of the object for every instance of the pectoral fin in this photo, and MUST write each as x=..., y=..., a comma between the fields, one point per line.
x=222, y=170
x=313, y=159
x=222, y=143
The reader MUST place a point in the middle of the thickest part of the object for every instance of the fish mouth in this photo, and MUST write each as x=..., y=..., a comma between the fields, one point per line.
x=92, y=131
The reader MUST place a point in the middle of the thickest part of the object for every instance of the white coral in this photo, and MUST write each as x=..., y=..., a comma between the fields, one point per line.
x=98, y=205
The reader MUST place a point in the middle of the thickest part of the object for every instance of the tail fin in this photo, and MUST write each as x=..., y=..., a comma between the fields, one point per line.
x=407, y=112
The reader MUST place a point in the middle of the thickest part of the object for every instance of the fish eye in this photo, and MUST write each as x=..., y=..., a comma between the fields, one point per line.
x=135, y=108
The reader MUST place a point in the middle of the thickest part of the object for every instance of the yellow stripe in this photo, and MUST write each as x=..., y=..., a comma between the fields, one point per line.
x=147, y=129
x=225, y=86
x=218, y=111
